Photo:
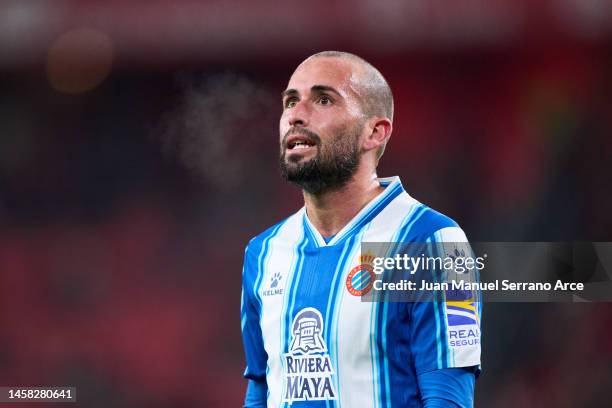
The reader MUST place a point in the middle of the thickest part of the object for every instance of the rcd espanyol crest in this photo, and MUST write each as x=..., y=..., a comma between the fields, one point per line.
x=308, y=369
x=361, y=278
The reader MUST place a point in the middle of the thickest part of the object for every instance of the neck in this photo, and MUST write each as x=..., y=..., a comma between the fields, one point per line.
x=329, y=212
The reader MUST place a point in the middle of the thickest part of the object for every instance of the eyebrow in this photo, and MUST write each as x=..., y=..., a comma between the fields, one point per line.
x=314, y=88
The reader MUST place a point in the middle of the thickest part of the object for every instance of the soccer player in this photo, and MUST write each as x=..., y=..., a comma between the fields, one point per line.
x=309, y=339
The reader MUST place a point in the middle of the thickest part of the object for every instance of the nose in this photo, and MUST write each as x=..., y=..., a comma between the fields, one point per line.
x=298, y=115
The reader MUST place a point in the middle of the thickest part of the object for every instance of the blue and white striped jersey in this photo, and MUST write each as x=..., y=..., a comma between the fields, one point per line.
x=307, y=332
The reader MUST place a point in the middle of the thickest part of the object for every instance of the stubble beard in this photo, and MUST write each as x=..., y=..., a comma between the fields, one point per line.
x=333, y=166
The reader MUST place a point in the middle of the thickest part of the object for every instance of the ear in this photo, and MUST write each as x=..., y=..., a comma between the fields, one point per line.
x=379, y=132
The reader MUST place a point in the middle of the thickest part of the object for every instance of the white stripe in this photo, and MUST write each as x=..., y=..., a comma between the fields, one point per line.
x=459, y=313
x=277, y=261
x=333, y=330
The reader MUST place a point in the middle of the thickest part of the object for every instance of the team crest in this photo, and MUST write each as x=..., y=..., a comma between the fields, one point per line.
x=308, y=369
x=361, y=278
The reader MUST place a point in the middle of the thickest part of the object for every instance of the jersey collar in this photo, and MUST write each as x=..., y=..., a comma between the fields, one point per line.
x=393, y=188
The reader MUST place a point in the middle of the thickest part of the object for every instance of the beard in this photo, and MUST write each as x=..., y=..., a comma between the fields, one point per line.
x=333, y=166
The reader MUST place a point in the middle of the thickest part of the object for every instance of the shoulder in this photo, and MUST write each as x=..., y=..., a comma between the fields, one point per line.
x=259, y=241
x=427, y=223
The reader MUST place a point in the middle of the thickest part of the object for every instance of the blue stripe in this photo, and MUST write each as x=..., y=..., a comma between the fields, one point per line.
x=243, y=315
x=457, y=320
x=381, y=362
x=356, y=279
x=359, y=277
x=386, y=359
x=385, y=384
x=440, y=302
x=406, y=229
x=363, y=283
x=446, y=355
x=374, y=354
x=436, y=314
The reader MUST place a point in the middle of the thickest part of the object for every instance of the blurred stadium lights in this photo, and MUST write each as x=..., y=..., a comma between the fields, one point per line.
x=159, y=32
x=25, y=30
x=79, y=60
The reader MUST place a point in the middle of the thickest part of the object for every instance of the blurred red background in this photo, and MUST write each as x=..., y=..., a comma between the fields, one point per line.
x=138, y=157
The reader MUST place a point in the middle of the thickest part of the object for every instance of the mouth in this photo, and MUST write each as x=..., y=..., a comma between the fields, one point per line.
x=299, y=143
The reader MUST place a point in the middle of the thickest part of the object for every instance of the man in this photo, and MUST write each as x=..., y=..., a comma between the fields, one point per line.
x=309, y=338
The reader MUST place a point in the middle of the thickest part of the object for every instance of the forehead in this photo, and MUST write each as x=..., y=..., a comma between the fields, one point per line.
x=338, y=73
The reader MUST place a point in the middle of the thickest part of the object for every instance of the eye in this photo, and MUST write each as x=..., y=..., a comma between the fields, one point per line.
x=290, y=103
x=325, y=100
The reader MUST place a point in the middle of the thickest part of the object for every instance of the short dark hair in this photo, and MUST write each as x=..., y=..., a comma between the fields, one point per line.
x=377, y=95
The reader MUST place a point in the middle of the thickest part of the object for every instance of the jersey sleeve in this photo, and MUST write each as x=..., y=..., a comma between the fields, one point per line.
x=445, y=330
x=447, y=388
x=256, y=395
x=255, y=354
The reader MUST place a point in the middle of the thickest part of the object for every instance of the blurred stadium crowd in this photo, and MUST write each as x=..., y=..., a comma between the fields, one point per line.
x=138, y=157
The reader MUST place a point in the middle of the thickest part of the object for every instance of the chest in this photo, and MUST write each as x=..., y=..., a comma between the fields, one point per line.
x=313, y=295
